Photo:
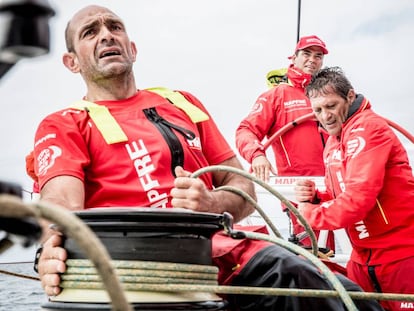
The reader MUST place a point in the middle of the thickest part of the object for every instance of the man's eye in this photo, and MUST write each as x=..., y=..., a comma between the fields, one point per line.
x=116, y=27
x=88, y=32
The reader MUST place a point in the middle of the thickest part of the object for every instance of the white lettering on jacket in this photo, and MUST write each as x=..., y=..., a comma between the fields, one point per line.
x=295, y=102
x=44, y=138
x=327, y=204
x=67, y=111
x=340, y=181
x=362, y=229
x=407, y=305
x=336, y=155
x=144, y=167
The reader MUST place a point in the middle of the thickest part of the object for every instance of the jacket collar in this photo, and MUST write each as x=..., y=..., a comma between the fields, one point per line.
x=297, y=77
x=359, y=104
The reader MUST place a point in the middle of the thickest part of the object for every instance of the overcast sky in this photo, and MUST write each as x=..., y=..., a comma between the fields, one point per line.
x=219, y=50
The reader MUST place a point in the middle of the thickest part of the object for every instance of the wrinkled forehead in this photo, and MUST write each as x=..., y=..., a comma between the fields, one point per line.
x=89, y=15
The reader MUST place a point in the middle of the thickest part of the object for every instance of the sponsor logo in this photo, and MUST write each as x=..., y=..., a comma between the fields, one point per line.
x=44, y=138
x=47, y=158
x=314, y=40
x=194, y=143
x=358, y=129
x=257, y=107
x=355, y=146
x=362, y=229
x=296, y=102
x=280, y=180
x=327, y=204
x=407, y=305
x=65, y=112
x=144, y=166
x=337, y=155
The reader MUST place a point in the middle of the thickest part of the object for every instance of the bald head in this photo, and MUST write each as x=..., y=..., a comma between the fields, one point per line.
x=80, y=18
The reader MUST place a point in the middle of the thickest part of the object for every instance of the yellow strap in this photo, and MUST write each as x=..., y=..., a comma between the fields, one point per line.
x=113, y=133
x=195, y=113
x=104, y=121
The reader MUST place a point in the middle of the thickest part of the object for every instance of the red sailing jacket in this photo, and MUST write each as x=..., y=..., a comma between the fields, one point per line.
x=369, y=189
x=298, y=152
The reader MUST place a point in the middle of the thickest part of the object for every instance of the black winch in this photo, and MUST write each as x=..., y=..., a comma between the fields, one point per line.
x=137, y=236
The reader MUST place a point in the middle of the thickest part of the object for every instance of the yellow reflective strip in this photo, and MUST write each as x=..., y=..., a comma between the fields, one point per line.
x=382, y=212
x=195, y=113
x=104, y=121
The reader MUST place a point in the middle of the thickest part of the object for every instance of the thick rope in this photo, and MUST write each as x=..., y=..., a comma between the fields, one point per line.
x=81, y=274
x=12, y=206
x=256, y=206
x=288, y=204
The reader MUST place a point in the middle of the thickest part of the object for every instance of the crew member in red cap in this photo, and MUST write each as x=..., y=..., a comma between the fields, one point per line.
x=298, y=152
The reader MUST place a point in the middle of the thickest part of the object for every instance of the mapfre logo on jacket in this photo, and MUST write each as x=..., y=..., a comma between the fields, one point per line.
x=295, y=104
x=355, y=146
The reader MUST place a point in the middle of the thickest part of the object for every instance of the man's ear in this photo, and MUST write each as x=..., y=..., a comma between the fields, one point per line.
x=70, y=61
x=351, y=96
x=134, y=51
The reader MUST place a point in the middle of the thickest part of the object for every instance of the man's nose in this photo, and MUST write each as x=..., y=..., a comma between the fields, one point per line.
x=325, y=114
x=313, y=58
x=105, y=34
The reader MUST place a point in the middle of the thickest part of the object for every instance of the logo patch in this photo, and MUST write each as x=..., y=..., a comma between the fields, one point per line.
x=47, y=157
x=257, y=107
x=355, y=146
x=195, y=143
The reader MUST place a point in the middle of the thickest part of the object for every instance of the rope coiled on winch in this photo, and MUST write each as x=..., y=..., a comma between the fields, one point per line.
x=81, y=273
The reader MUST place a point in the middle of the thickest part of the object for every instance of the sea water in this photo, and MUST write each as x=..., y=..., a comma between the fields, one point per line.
x=17, y=292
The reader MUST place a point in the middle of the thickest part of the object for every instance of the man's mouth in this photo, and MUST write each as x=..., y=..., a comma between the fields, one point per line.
x=109, y=53
x=329, y=123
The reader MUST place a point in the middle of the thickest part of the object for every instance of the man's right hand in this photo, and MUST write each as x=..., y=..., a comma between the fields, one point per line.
x=261, y=168
x=51, y=264
x=305, y=190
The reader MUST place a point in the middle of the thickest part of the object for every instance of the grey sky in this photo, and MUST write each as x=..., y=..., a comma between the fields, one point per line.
x=219, y=50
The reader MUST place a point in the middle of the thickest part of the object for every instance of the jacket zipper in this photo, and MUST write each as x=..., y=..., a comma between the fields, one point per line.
x=166, y=129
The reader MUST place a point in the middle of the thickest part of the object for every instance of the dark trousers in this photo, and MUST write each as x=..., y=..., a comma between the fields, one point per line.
x=277, y=267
